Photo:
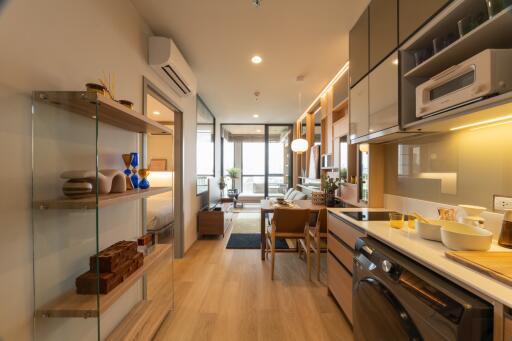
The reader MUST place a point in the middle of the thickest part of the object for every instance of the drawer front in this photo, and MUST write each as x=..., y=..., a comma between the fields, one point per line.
x=340, y=284
x=344, y=254
x=343, y=231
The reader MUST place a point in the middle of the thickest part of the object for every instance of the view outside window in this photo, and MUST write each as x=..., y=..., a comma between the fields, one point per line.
x=253, y=167
x=244, y=148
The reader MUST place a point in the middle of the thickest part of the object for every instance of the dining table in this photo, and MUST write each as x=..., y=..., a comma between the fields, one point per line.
x=269, y=205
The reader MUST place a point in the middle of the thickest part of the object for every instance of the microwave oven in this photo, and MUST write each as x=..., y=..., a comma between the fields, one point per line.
x=326, y=161
x=485, y=74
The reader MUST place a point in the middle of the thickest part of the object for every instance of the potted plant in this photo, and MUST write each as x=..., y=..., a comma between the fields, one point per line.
x=330, y=185
x=344, y=174
x=234, y=173
x=222, y=183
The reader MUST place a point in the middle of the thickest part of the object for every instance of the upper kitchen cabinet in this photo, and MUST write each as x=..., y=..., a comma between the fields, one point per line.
x=383, y=30
x=359, y=49
x=358, y=104
x=413, y=14
x=383, y=104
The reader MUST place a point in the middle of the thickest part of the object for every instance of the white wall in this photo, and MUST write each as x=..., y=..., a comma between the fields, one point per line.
x=61, y=45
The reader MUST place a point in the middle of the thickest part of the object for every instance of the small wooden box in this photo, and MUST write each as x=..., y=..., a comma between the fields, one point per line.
x=87, y=283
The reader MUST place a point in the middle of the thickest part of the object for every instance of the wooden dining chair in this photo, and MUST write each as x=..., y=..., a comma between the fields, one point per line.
x=312, y=243
x=288, y=223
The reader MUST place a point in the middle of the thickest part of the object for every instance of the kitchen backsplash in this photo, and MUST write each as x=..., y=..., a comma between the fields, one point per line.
x=468, y=166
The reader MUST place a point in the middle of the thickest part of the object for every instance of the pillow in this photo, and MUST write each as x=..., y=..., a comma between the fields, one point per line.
x=288, y=193
x=299, y=196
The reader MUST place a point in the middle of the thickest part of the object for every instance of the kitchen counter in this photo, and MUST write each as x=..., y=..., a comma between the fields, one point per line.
x=431, y=254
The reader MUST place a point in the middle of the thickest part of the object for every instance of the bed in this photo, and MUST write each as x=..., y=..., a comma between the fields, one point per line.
x=160, y=216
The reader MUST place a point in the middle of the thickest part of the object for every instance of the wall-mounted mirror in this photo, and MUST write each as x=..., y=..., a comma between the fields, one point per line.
x=205, y=129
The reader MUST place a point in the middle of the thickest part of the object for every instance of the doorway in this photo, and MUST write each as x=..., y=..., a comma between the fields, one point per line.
x=261, y=153
x=162, y=154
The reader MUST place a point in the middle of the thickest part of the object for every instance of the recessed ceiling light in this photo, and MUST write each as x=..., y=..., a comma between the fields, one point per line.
x=394, y=61
x=256, y=59
x=255, y=115
x=258, y=130
x=156, y=112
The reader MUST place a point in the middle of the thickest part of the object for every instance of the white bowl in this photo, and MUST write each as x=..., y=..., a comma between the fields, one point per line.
x=428, y=231
x=461, y=237
x=473, y=211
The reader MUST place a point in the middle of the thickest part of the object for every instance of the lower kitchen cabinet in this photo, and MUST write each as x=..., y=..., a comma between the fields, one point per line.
x=341, y=239
x=339, y=281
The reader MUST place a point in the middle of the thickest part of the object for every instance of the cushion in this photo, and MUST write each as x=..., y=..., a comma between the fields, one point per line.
x=288, y=193
x=250, y=197
x=299, y=196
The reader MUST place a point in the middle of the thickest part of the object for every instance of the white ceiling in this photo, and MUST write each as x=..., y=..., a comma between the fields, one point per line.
x=294, y=37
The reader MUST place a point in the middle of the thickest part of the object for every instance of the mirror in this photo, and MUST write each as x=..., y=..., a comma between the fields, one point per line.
x=205, y=157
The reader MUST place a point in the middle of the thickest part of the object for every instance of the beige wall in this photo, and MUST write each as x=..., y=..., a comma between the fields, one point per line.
x=61, y=45
x=465, y=167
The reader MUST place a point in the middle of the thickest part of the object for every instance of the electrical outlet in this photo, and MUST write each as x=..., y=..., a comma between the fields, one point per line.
x=502, y=203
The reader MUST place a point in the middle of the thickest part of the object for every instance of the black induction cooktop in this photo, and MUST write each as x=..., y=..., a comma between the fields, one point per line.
x=369, y=216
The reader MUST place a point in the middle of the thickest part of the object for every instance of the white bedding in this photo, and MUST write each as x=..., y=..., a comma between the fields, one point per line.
x=159, y=212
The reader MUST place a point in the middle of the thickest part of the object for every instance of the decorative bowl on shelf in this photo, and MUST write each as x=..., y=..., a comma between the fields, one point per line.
x=126, y=103
x=97, y=88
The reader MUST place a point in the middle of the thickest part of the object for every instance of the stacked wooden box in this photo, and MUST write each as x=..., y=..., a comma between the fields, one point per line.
x=116, y=263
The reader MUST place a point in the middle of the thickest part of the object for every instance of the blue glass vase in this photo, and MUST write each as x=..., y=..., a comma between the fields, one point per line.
x=134, y=163
x=144, y=183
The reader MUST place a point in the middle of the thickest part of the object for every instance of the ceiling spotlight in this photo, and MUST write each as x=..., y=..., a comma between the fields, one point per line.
x=255, y=115
x=256, y=3
x=256, y=60
x=156, y=113
x=258, y=130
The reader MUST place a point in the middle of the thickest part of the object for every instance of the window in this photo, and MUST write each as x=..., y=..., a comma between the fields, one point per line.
x=253, y=167
x=205, y=146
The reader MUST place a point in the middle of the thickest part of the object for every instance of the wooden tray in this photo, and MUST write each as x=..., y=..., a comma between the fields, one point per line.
x=498, y=265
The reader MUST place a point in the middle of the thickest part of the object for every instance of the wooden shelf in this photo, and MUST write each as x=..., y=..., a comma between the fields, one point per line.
x=73, y=305
x=142, y=322
x=489, y=34
x=111, y=112
x=104, y=200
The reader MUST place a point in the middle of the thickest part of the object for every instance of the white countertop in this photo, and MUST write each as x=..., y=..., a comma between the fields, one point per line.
x=432, y=255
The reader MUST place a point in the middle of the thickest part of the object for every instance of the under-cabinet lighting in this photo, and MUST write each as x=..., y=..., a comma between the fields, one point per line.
x=498, y=119
x=492, y=125
x=327, y=87
x=156, y=113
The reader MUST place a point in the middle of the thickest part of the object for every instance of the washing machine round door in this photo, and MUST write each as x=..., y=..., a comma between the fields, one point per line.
x=378, y=315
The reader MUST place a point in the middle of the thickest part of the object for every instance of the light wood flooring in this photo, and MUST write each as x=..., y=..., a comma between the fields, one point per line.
x=228, y=295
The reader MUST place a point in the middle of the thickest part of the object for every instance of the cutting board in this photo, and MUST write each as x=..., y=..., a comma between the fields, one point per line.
x=498, y=265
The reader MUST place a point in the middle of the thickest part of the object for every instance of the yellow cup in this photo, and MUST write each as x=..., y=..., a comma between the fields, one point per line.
x=396, y=220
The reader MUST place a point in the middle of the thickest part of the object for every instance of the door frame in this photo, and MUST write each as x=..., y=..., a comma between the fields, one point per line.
x=266, y=173
x=152, y=89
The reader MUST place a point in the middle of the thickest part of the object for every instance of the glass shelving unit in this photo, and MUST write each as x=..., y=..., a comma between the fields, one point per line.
x=88, y=131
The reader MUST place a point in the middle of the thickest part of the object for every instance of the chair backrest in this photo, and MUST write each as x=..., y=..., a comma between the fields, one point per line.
x=290, y=220
x=321, y=221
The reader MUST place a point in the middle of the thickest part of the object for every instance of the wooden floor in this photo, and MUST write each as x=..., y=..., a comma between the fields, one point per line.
x=228, y=295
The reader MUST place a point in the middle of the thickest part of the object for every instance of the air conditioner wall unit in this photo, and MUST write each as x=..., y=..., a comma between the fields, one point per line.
x=168, y=62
